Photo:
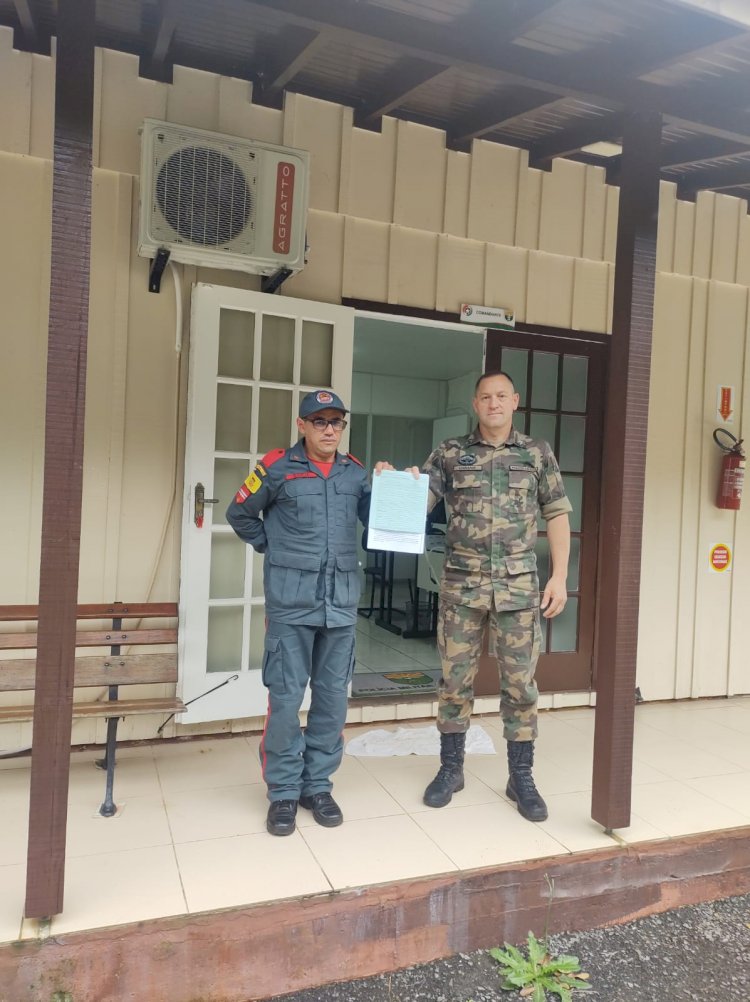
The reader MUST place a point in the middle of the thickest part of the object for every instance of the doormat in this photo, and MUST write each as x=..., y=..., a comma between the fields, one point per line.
x=384, y=743
x=393, y=683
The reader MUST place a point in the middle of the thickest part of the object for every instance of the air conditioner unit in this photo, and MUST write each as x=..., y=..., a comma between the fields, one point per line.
x=222, y=202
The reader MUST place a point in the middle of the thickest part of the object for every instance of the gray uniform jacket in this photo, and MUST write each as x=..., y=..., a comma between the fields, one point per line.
x=306, y=525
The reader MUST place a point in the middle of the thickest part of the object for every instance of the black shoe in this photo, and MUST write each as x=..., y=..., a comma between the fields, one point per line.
x=450, y=777
x=281, y=817
x=325, y=809
x=521, y=788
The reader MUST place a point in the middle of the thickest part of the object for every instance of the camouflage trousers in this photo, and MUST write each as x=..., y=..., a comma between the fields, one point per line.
x=515, y=639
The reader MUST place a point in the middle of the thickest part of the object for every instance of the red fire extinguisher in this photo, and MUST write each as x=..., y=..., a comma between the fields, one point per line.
x=732, y=475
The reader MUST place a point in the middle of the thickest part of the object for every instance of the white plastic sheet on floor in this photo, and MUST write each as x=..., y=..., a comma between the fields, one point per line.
x=414, y=741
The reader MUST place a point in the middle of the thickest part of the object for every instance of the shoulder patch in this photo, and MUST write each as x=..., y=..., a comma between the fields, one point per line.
x=354, y=459
x=272, y=457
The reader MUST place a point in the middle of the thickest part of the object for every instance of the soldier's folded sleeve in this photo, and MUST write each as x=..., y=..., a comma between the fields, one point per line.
x=553, y=500
x=435, y=470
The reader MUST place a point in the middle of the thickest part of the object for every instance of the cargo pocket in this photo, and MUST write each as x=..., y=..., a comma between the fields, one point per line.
x=347, y=499
x=292, y=580
x=523, y=584
x=346, y=585
x=466, y=497
x=307, y=494
x=461, y=572
x=523, y=485
x=272, y=668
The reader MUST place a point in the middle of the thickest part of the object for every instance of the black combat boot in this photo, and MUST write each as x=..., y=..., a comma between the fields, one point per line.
x=450, y=777
x=521, y=788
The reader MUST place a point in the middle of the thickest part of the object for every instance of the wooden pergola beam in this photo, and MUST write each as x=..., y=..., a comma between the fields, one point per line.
x=63, y=455
x=476, y=53
x=498, y=112
x=509, y=19
x=27, y=19
x=608, y=62
x=398, y=89
x=156, y=65
x=505, y=20
x=731, y=175
x=695, y=150
x=624, y=470
x=583, y=133
x=670, y=41
x=310, y=43
x=28, y=35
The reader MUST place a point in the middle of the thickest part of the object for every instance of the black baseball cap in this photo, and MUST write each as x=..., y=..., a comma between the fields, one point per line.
x=320, y=400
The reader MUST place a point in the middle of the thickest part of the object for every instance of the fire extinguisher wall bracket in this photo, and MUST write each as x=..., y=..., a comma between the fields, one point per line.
x=732, y=477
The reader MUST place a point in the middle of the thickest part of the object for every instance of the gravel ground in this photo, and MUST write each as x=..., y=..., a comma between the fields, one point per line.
x=696, y=954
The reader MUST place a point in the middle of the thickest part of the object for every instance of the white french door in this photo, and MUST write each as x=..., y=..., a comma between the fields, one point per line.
x=251, y=358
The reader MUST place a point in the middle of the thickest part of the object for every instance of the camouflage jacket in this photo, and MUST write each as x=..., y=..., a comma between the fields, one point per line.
x=493, y=496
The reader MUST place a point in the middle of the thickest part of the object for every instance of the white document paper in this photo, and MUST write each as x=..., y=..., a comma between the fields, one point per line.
x=398, y=511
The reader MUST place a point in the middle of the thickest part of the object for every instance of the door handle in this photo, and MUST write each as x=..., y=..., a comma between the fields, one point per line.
x=201, y=500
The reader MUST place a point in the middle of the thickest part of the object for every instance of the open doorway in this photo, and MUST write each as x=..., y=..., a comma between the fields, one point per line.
x=412, y=387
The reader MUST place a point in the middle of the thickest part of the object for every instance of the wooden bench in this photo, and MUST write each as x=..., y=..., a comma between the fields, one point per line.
x=112, y=669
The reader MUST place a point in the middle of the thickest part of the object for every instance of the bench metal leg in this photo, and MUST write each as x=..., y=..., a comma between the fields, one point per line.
x=109, y=807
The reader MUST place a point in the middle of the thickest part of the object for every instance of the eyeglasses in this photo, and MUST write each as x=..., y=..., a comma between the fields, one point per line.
x=321, y=423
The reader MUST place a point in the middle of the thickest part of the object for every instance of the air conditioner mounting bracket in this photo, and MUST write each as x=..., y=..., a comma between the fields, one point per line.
x=156, y=271
x=272, y=283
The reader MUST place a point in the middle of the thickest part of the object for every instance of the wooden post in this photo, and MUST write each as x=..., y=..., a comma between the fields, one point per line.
x=624, y=464
x=63, y=455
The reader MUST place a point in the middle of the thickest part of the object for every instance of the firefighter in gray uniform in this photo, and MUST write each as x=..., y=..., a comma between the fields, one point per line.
x=300, y=508
x=495, y=482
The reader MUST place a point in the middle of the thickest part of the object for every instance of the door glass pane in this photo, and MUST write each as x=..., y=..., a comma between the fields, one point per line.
x=514, y=361
x=574, y=568
x=228, y=475
x=574, y=490
x=257, y=635
x=233, y=417
x=256, y=588
x=236, y=343
x=544, y=380
x=565, y=628
x=274, y=419
x=227, y=567
x=543, y=426
x=224, y=639
x=277, y=356
x=317, y=353
x=358, y=438
x=575, y=375
x=572, y=435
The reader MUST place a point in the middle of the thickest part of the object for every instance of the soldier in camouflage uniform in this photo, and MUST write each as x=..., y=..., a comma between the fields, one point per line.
x=495, y=482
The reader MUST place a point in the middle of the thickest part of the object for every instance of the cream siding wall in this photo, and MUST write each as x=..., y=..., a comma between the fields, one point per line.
x=395, y=218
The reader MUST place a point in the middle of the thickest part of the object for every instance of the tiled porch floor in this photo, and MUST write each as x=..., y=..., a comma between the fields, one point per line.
x=191, y=834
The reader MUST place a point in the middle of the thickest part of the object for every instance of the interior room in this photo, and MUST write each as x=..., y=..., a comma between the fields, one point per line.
x=412, y=387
